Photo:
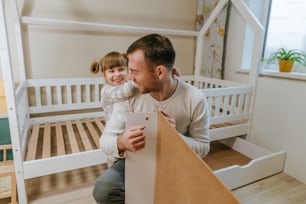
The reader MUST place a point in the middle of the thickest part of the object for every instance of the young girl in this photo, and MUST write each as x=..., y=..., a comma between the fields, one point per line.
x=117, y=88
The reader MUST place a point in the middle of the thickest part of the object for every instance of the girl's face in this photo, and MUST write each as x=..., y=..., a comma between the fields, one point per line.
x=116, y=75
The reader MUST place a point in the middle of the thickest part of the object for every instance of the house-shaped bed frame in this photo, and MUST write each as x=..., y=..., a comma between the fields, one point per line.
x=69, y=140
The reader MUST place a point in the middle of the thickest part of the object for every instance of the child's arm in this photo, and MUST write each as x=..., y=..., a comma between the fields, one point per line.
x=110, y=94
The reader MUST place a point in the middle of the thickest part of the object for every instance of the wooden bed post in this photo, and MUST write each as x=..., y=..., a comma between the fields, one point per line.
x=9, y=85
x=167, y=170
x=258, y=30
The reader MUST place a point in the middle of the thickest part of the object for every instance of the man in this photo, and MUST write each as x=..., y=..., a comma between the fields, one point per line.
x=150, y=62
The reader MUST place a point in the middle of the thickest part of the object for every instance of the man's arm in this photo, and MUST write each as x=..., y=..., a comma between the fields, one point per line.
x=198, y=133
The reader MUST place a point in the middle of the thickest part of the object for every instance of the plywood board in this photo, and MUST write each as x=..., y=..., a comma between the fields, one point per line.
x=180, y=176
x=140, y=166
x=221, y=156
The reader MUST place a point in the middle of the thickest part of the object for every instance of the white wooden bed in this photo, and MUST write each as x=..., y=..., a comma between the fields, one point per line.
x=55, y=124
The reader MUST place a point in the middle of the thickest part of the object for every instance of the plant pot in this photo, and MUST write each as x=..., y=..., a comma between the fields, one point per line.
x=285, y=65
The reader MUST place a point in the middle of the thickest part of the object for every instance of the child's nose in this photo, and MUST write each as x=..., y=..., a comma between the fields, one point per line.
x=117, y=73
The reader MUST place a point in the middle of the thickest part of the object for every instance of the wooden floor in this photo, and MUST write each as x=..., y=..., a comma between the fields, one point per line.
x=76, y=187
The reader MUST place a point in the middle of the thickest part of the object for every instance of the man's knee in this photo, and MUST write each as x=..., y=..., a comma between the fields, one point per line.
x=100, y=191
x=105, y=193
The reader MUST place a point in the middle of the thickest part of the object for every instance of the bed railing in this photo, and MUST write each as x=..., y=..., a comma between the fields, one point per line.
x=65, y=97
x=229, y=103
x=56, y=95
x=203, y=82
x=231, y=109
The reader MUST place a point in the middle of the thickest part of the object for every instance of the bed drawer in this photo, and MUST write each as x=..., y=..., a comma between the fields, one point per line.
x=238, y=162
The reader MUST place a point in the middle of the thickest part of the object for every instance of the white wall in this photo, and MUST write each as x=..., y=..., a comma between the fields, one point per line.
x=279, y=121
x=279, y=110
x=66, y=53
x=61, y=52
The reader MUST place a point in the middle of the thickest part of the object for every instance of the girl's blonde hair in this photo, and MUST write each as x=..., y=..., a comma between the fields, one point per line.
x=109, y=61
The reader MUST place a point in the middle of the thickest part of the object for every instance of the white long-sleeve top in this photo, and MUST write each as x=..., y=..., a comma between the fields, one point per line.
x=112, y=94
x=188, y=106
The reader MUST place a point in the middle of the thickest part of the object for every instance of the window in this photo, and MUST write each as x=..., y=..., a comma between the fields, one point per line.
x=286, y=28
x=260, y=10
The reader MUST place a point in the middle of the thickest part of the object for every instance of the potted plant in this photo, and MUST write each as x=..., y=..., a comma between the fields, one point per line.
x=286, y=58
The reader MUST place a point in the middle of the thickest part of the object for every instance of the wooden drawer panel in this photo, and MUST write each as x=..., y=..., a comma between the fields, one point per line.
x=238, y=162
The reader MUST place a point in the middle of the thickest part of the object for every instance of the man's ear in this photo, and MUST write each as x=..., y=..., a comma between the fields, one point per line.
x=160, y=71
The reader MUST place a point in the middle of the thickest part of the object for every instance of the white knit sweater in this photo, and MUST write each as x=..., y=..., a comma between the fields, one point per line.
x=188, y=106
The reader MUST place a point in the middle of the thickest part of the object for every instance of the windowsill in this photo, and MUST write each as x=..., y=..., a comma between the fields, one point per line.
x=277, y=74
x=285, y=75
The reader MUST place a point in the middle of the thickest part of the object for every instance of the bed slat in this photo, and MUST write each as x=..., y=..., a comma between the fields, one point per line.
x=47, y=141
x=33, y=143
x=93, y=132
x=99, y=124
x=83, y=136
x=60, y=147
x=71, y=136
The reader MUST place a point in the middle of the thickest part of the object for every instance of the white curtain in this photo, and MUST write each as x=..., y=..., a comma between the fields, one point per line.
x=212, y=65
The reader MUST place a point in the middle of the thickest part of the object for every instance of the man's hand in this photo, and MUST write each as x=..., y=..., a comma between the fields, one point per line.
x=170, y=118
x=132, y=140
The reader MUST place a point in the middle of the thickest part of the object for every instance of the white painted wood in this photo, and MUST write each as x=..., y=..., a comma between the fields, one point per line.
x=105, y=27
x=87, y=92
x=248, y=149
x=6, y=65
x=227, y=91
x=230, y=118
x=73, y=91
x=67, y=117
x=48, y=95
x=209, y=82
x=258, y=30
x=51, y=165
x=264, y=163
x=225, y=105
x=228, y=132
x=64, y=107
x=19, y=42
x=140, y=166
x=236, y=176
